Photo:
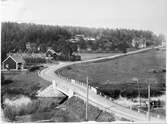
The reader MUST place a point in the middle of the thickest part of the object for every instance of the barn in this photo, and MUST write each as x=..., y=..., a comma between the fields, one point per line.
x=13, y=62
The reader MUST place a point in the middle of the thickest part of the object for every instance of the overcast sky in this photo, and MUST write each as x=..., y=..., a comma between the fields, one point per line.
x=132, y=14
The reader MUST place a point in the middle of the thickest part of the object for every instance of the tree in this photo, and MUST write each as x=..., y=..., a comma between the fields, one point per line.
x=123, y=47
x=161, y=38
x=15, y=35
x=2, y=78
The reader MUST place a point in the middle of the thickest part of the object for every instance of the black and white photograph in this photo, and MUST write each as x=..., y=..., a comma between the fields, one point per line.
x=91, y=61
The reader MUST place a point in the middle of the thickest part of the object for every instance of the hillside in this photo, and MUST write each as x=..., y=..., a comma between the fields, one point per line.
x=14, y=37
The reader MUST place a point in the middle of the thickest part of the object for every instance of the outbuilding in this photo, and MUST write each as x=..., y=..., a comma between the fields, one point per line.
x=50, y=53
x=13, y=62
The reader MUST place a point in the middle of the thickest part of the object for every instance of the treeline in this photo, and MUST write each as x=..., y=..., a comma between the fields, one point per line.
x=33, y=61
x=111, y=39
x=14, y=37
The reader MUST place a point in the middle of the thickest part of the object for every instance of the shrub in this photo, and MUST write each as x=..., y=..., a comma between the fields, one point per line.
x=32, y=61
x=9, y=113
x=5, y=82
x=34, y=68
x=112, y=93
x=29, y=108
x=28, y=91
x=2, y=78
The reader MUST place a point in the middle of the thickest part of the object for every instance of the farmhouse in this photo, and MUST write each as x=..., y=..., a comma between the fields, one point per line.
x=32, y=47
x=13, y=62
x=139, y=43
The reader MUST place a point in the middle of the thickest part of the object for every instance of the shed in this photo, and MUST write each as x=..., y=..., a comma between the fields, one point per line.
x=50, y=53
x=13, y=62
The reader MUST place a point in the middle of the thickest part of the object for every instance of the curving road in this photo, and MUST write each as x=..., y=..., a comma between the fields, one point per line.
x=94, y=99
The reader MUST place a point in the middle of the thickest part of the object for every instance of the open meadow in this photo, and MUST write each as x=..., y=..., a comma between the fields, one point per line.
x=115, y=77
x=88, y=56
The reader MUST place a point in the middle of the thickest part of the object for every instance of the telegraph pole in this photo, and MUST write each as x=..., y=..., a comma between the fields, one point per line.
x=139, y=93
x=87, y=99
x=138, y=87
x=148, y=101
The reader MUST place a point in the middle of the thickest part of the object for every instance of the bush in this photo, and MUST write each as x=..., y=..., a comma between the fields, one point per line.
x=34, y=68
x=9, y=113
x=111, y=93
x=2, y=78
x=75, y=58
x=28, y=91
x=29, y=108
x=130, y=93
x=32, y=61
x=5, y=82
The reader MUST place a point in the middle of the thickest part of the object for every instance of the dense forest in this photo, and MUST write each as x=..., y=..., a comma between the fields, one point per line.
x=14, y=36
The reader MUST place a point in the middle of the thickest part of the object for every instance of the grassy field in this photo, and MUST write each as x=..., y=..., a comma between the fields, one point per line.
x=87, y=56
x=25, y=79
x=115, y=76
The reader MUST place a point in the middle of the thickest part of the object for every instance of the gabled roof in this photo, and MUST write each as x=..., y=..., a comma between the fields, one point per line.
x=16, y=58
x=51, y=50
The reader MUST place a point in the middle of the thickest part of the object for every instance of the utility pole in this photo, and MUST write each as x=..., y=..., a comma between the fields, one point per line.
x=87, y=99
x=148, y=101
x=137, y=81
x=139, y=93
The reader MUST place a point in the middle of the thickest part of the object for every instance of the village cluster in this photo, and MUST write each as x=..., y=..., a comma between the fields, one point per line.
x=19, y=60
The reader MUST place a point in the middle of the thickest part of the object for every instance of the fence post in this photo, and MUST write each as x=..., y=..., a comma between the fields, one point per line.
x=131, y=107
x=72, y=81
x=138, y=110
x=53, y=83
x=158, y=116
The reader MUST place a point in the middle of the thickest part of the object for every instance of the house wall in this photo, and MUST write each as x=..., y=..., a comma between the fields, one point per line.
x=49, y=54
x=11, y=63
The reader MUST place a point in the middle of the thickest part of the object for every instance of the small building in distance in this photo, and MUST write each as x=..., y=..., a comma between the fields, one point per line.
x=139, y=43
x=50, y=54
x=32, y=47
x=163, y=43
x=13, y=62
